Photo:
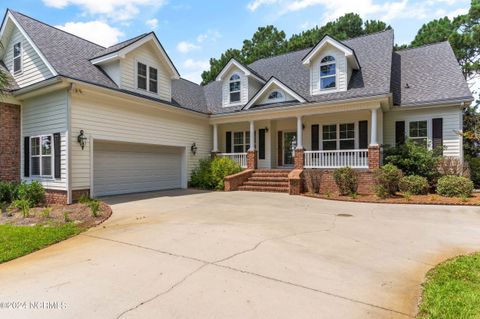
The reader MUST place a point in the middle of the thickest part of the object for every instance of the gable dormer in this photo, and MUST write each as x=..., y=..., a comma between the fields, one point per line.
x=239, y=84
x=274, y=92
x=140, y=65
x=331, y=65
x=21, y=56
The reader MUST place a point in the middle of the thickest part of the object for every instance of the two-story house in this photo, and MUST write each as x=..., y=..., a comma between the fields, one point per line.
x=82, y=118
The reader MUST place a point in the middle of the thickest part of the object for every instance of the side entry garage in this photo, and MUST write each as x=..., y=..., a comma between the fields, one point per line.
x=121, y=168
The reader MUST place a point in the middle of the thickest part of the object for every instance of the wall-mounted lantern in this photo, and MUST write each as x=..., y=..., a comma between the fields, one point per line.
x=82, y=139
x=194, y=148
x=266, y=129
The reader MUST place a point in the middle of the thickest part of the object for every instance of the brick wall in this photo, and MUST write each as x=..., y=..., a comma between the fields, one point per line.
x=77, y=193
x=299, y=158
x=373, y=157
x=251, y=159
x=9, y=142
x=366, y=182
x=232, y=182
x=56, y=197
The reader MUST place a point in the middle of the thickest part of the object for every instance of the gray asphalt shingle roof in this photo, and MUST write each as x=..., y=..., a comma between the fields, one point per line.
x=431, y=72
x=427, y=74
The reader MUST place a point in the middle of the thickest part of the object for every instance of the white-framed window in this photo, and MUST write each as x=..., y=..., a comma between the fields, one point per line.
x=241, y=141
x=147, y=78
x=418, y=132
x=17, y=58
x=328, y=73
x=41, y=156
x=329, y=137
x=276, y=96
x=347, y=136
x=235, y=88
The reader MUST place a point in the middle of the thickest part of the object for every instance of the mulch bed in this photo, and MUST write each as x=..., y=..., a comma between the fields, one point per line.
x=78, y=213
x=431, y=199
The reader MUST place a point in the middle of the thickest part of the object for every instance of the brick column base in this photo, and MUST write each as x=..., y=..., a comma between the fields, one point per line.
x=299, y=158
x=295, y=182
x=373, y=156
x=9, y=142
x=252, y=159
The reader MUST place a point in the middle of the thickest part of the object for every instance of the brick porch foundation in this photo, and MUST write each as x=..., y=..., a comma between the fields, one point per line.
x=9, y=142
x=366, y=182
x=373, y=156
x=299, y=158
x=56, y=197
x=251, y=159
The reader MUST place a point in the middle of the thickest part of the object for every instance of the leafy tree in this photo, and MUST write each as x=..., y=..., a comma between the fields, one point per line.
x=216, y=65
x=269, y=41
x=266, y=42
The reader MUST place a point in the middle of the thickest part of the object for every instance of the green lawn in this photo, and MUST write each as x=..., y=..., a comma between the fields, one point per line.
x=16, y=241
x=452, y=290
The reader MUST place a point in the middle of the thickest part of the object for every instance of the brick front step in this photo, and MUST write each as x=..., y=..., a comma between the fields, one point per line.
x=257, y=174
x=269, y=179
x=265, y=183
x=264, y=189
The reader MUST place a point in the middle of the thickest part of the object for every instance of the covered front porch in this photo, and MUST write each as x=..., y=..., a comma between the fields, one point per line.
x=327, y=140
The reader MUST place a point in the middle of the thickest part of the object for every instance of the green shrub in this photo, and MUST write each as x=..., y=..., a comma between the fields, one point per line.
x=414, y=159
x=24, y=205
x=94, y=206
x=381, y=191
x=222, y=167
x=66, y=217
x=413, y=185
x=45, y=213
x=312, y=180
x=202, y=175
x=347, y=180
x=474, y=163
x=33, y=192
x=388, y=177
x=84, y=199
x=8, y=192
x=454, y=186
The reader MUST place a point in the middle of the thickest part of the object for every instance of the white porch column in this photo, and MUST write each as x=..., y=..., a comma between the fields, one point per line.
x=252, y=136
x=215, y=138
x=299, y=133
x=373, y=126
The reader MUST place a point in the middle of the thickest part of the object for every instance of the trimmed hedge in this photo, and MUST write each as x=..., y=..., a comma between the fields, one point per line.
x=388, y=177
x=413, y=184
x=454, y=186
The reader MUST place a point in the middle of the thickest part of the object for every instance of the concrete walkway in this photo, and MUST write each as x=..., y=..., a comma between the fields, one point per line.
x=241, y=255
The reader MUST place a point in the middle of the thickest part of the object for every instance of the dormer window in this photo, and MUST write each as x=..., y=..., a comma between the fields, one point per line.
x=328, y=73
x=235, y=88
x=17, y=58
x=147, y=78
x=276, y=96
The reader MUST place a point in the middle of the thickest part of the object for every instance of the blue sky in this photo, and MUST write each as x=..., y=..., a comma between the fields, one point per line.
x=193, y=31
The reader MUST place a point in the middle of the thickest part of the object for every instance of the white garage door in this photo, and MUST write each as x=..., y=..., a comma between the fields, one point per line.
x=121, y=168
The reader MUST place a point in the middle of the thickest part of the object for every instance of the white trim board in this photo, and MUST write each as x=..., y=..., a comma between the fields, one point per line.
x=278, y=83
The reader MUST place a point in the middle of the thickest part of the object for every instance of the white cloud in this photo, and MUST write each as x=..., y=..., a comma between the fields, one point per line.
x=96, y=31
x=185, y=47
x=212, y=35
x=194, y=68
x=152, y=23
x=456, y=13
x=116, y=9
x=252, y=6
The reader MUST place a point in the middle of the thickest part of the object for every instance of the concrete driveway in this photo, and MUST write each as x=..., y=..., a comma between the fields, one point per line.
x=185, y=254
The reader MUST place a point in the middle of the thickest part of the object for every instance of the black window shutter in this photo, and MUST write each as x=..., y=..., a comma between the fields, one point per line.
x=399, y=132
x=315, y=137
x=437, y=134
x=261, y=144
x=57, y=151
x=228, y=140
x=26, y=156
x=363, y=134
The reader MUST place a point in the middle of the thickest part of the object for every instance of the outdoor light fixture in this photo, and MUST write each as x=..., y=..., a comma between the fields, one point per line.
x=82, y=139
x=194, y=148
x=266, y=129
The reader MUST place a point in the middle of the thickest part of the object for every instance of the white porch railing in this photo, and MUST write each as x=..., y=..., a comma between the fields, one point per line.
x=240, y=158
x=335, y=159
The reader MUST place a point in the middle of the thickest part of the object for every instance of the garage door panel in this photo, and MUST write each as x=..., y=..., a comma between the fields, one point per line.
x=121, y=168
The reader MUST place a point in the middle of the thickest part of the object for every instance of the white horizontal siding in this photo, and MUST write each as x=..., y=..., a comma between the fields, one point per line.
x=452, y=124
x=117, y=120
x=145, y=54
x=47, y=114
x=253, y=87
x=34, y=69
x=341, y=68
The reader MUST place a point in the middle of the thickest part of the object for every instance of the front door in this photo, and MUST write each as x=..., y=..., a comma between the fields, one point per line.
x=289, y=145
